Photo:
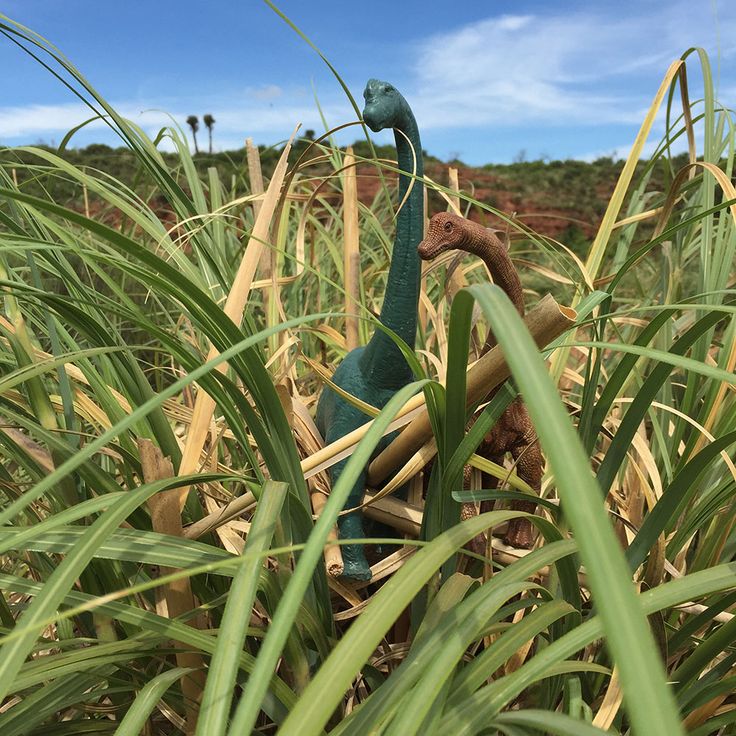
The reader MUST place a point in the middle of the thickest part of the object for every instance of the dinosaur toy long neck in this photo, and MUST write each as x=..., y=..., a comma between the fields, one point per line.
x=483, y=243
x=382, y=360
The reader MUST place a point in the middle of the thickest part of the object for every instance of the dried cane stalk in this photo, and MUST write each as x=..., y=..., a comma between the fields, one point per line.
x=204, y=406
x=333, y=555
x=176, y=597
x=351, y=253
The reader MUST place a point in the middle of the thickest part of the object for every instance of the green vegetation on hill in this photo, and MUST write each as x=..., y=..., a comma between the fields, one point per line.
x=560, y=199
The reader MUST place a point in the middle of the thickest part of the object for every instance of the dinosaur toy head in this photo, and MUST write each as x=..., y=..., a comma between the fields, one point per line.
x=384, y=106
x=445, y=232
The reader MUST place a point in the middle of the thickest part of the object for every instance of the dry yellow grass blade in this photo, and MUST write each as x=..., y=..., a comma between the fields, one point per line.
x=598, y=249
x=543, y=271
x=304, y=218
x=519, y=656
x=454, y=185
x=40, y=454
x=508, y=477
x=639, y=217
x=220, y=516
x=351, y=252
x=705, y=435
x=255, y=175
x=416, y=463
x=603, y=236
x=281, y=351
x=700, y=715
x=634, y=491
x=326, y=376
x=329, y=334
x=83, y=406
x=388, y=566
x=177, y=598
x=729, y=191
x=276, y=312
x=453, y=201
x=205, y=405
x=433, y=360
x=611, y=703
x=439, y=334
x=345, y=590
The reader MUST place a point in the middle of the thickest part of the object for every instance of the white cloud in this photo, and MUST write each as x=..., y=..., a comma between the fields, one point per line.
x=266, y=114
x=269, y=92
x=597, y=66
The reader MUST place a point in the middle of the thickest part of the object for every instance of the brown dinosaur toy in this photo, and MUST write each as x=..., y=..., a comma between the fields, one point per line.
x=513, y=432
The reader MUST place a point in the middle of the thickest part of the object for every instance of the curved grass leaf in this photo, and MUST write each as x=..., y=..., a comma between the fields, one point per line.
x=646, y=695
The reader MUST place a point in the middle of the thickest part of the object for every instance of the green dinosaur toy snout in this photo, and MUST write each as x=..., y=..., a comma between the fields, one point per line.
x=381, y=105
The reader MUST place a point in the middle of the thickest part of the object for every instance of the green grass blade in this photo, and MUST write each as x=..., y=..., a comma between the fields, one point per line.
x=223, y=670
x=134, y=721
x=646, y=694
x=250, y=701
x=551, y=723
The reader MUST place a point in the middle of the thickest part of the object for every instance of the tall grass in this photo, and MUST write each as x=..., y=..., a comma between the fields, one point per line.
x=619, y=620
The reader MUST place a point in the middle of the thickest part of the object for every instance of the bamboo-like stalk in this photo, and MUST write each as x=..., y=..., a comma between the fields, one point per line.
x=176, y=597
x=456, y=280
x=394, y=512
x=217, y=518
x=204, y=406
x=351, y=252
x=332, y=553
x=546, y=321
x=255, y=175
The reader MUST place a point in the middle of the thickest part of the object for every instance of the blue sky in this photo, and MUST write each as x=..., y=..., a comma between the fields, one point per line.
x=486, y=80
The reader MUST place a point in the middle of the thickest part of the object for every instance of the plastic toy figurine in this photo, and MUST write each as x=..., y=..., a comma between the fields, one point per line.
x=513, y=432
x=375, y=372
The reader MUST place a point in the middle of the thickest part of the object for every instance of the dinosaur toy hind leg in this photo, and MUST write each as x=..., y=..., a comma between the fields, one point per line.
x=528, y=459
x=351, y=527
x=478, y=543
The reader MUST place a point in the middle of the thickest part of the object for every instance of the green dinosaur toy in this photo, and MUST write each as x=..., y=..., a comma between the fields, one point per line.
x=375, y=372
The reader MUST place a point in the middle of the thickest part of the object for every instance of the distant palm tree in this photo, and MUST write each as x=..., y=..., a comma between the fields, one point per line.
x=193, y=123
x=209, y=123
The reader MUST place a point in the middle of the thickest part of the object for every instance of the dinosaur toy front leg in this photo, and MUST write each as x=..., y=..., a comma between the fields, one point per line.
x=350, y=526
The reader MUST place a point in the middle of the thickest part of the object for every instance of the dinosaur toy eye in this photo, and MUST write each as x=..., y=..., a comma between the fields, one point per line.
x=448, y=227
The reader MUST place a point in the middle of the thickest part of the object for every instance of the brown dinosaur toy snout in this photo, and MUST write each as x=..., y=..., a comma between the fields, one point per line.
x=444, y=233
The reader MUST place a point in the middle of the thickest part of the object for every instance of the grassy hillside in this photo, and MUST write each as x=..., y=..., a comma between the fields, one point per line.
x=564, y=200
